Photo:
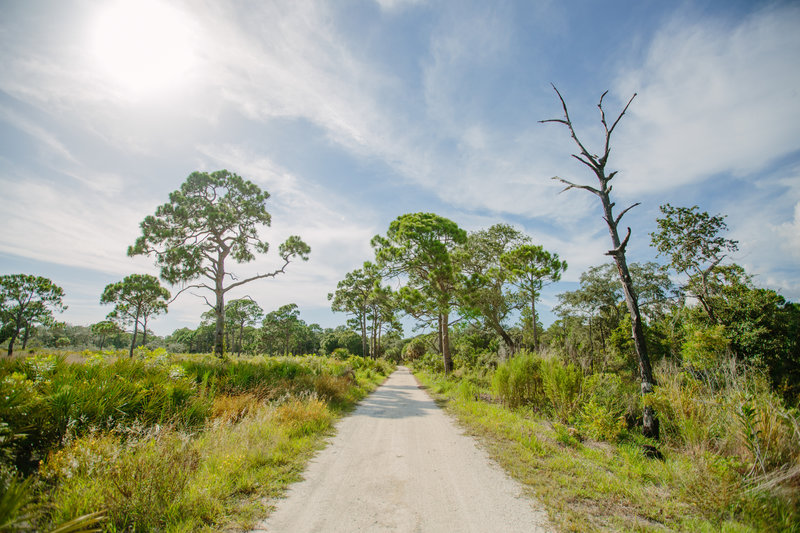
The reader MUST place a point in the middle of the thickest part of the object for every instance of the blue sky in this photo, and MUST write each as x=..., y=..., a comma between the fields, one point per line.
x=350, y=113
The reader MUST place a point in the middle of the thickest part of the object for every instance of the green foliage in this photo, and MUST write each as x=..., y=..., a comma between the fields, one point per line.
x=136, y=298
x=691, y=239
x=48, y=400
x=420, y=246
x=162, y=442
x=562, y=385
x=240, y=314
x=340, y=353
x=414, y=349
x=602, y=415
x=25, y=301
x=530, y=268
x=484, y=293
x=15, y=495
x=210, y=219
x=518, y=381
x=704, y=348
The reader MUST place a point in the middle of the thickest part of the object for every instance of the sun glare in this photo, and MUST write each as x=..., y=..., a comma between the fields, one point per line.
x=143, y=46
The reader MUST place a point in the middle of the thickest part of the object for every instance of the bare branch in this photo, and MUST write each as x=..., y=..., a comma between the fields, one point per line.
x=620, y=116
x=568, y=122
x=616, y=220
x=621, y=248
x=571, y=185
x=186, y=288
x=584, y=161
x=281, y=270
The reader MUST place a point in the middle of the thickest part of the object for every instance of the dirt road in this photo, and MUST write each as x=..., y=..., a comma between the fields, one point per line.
x=399, y=464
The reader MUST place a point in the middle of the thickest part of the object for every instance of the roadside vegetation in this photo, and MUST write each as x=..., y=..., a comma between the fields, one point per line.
x=728, y=459
x=663, y=394
x=163, y=442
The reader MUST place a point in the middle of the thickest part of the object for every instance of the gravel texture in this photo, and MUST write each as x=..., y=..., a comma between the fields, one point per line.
x=398, y=464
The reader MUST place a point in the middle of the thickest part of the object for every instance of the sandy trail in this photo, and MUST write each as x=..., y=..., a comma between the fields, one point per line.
x=398, y=463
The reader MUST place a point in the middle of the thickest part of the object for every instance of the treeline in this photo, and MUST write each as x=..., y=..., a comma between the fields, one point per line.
x=476, y=296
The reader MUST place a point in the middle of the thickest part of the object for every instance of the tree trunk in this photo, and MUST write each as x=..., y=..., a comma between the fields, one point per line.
x=135, y=333
x=144, y=332
x=25, y=336
x=11, y=344
x=649, y=420
x=445, y=331
x=364, y=347
x=219, y=326
x=533, y=320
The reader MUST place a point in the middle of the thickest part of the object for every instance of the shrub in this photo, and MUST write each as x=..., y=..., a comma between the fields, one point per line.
x=415, y=349
x=518, y=381
x=704, y=347
x=340, y=353
x=562, y=385
x=602, y=416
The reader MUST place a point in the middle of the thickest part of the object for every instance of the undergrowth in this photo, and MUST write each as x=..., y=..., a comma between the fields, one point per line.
x=728, y=459
x=163, y=442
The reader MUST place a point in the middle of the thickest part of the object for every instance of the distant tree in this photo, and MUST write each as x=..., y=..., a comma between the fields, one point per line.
x=530, y=268
x=136, y=298
x=353, y=295
x=185, y=337
x=691, y=240
x=26, y=300
x=281, y=327
x=211, y=219
x=419, y=246
x=240, y=314
x=341, y=337
x=104, y=329
x=597, y=164
x=485, y=293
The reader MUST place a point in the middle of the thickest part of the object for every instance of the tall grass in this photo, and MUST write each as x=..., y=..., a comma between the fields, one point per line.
x=728, y=458
x=162, y=442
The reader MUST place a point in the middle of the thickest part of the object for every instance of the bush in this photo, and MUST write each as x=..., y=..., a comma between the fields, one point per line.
x=704, y=347
x=562, y=385
x=415, y=349
x=340, y=353
x=518, y=381
x=602, y=416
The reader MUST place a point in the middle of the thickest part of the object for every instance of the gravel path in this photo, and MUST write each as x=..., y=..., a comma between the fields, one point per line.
x=398, y=464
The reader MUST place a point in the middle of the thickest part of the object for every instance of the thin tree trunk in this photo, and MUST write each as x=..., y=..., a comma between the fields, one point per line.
x=650, y=425
x=11, y=344
x=364, y=347
x=25, y=336
x=533, y=320
x=219, y=325
x=445, y=331
x=135, y=333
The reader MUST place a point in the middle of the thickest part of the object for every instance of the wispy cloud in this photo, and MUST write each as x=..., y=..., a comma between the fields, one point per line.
x=714, y=97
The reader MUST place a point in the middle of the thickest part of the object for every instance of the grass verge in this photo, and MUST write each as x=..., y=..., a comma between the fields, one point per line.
x=600, y=486
x=259, y=423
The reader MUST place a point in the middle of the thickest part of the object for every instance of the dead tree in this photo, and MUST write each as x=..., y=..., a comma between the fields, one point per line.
x=597, y=164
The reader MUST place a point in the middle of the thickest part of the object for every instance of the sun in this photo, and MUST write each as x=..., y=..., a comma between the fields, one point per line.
x=142, y=46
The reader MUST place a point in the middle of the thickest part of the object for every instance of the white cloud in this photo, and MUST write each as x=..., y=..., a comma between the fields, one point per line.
x=396, y=5
x=75, y=228
x=712, y=99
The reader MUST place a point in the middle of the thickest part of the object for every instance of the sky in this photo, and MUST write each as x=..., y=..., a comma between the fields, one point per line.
x=351, y=113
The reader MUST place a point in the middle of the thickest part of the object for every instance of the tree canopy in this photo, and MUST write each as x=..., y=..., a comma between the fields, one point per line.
x=420, y=247
x=27, y=300
x=136, y=298
x=213, y=218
